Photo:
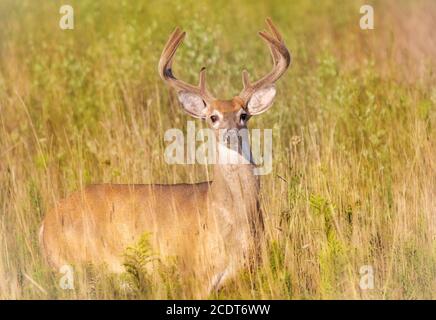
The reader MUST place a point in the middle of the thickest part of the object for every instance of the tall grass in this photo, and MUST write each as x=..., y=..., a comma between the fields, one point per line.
x=353, y=179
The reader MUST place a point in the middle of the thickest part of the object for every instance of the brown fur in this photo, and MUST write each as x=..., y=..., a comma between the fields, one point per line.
x=226, y=106
x=208, y=226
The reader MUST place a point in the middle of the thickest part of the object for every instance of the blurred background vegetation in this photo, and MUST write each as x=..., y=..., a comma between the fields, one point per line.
x=353, y=181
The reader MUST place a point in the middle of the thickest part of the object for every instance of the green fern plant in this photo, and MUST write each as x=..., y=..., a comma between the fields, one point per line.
x=137, y=258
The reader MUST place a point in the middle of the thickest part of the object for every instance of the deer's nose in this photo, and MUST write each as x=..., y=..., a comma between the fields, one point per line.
x=231, y=136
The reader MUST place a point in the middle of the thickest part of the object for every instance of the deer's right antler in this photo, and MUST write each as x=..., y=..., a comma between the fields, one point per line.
x=166, y=72
x=281, y=61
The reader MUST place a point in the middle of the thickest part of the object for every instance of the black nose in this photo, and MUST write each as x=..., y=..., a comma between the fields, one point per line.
x=232, y=138
x=231, y=135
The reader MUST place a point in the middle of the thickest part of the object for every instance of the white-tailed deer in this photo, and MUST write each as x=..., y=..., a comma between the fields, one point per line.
x=211, y=227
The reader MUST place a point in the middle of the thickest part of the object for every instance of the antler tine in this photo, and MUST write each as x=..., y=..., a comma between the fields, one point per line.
x=166, y=73
x=281, y=61
x=273, y=29
x=168, y=53
x=202, y=80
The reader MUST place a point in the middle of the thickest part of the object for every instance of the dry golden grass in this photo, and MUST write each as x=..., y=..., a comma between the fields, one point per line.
x=353, y=181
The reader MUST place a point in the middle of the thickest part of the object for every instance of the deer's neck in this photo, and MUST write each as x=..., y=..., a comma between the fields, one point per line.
x=235, y=187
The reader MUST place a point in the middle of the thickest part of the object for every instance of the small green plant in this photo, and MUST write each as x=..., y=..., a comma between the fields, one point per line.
x=138, y=259
x=148, y=275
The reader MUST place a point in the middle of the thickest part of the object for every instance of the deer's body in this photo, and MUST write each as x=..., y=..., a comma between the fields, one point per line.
x=212, y=228
x=191, y=221
x=98, y=223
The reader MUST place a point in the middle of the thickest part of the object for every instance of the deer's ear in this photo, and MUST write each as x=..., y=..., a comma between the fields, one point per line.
x=193, y=104
x=261, y=100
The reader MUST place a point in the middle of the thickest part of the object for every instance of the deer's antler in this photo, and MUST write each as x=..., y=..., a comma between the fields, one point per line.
x=166, y=73
x=281, y=61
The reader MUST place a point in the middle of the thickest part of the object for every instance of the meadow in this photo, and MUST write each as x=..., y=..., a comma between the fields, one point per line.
x=353, y=184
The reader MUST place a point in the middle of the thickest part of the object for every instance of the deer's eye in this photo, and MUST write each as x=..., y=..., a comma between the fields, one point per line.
x=214, y=118
x=243, y=116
